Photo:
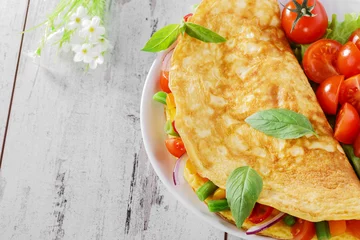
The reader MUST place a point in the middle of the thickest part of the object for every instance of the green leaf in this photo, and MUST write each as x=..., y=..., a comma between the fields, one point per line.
x=163, y=38
x=341, y=31
x=281, y=123
x=203, y=34
x=243, y=188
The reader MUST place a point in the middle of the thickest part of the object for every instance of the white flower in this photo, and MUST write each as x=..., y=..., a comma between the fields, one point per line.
x=78, y=18
x=104, y=44
x=84, y=52
x=55, y=37
x=92, y=29
x=98, y=59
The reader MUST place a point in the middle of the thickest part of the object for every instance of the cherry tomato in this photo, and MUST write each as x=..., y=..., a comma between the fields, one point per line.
x=164, y=81
x=319, y=60
x=355, y=37
x=328, y=94
x=356, y=146
x=186, y=17
x=353, y=226
x=260, y=213
x=348, y=61
x=349, y=92
x=175, y=146
x=303, y=230
x=310, y=27
x=347, y=124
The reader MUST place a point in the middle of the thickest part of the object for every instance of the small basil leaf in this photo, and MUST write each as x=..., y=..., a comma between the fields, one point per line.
x=281, y=123
x=163, y=38
x=203, y=34
x=243, y=188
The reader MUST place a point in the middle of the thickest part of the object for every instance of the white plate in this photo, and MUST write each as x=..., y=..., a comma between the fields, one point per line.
x=152, y=128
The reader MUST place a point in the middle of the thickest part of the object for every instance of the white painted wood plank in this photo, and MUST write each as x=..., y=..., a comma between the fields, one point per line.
x=74, y=166
x=12, y=14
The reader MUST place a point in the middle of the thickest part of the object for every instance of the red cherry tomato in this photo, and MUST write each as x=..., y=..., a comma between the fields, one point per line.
x=349, y=92
x=348, y=61
x=260, y=213
x=355, y=37
x=328, y=94
x=347, y=124
x=175, y=146
x=186, y=17
x=353, y=226
x=303, y=230
x=307, y=29
x=319, y=60
x=356, y=146
x=164, y=81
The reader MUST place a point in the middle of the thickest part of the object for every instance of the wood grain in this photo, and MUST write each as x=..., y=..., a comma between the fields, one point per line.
x=74, y=165
x=12, y=16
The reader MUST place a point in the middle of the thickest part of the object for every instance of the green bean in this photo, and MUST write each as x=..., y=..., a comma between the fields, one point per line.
x=289, y=220
x=206, y=190
x=218, y=205
x=169, y=129
x=322, y=230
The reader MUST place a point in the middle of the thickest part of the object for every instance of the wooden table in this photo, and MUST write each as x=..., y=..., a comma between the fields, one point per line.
x=73, y=161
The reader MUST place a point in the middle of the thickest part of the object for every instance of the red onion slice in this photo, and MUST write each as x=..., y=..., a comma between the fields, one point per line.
x=264, y=225
x=167, y=60
x=178, y=172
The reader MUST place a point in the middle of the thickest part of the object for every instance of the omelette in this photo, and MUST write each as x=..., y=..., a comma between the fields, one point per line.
x=217, y=86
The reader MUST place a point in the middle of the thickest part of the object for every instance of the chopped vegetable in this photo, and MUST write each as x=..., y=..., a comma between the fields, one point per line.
x=304, y=21
x=169, y=129
x=349, y=92
x=328, y=94
x=322, y=230
x=303, y=230
x=289, y=220
x=170, y=101
x=355, y=161
x=260, y=213
x=218, y=205
x=206, y=190
x=341, y=31
x=164, y=81
x=160, y=97
x=258, y=228
x=348, y=60
x=319, y=60
x=337, y=227
x=354, y=227
x=219, y=194
x=347, y=124
x=178, y=172
x=175, y=146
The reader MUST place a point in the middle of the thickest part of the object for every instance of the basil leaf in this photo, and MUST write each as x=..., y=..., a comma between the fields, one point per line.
x=243, y=188
x=163, y=38
x=281, y=123
x=203, y=34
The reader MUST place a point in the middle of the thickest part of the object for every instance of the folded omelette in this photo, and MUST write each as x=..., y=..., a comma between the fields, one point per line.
x=217, y=86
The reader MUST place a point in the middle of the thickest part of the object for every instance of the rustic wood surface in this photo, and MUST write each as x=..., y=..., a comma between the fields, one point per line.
x=73, y=165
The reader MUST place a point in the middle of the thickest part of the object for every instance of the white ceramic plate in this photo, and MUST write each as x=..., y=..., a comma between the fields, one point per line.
x=152, y=128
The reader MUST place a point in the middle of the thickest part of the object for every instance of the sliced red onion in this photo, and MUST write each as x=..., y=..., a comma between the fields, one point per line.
x=166, y=62
x=178, y=172
x=258, y=228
